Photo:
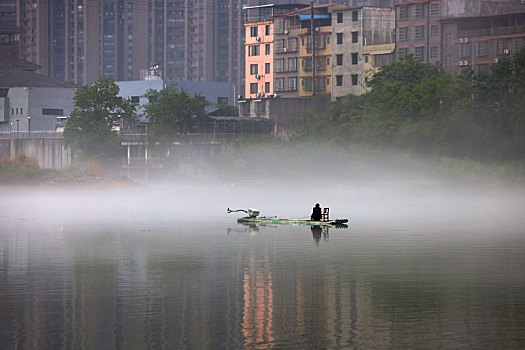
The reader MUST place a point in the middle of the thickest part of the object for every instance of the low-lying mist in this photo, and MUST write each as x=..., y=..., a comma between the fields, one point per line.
x=384, y=191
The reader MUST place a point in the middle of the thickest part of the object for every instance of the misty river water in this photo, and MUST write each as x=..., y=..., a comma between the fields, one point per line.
x=167, y=268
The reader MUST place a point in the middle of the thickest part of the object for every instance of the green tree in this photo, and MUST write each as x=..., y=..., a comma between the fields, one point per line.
x=170, y=112
x=228, y=110
x=88, y=130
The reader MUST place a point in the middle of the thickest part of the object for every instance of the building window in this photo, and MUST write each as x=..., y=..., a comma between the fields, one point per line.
x=448, y=61
x=434, y=9
x=52, y=111
x=355, y=16
x=355, y=37
x=366, y=58
x=403, y=13
x=267, y=68
x=403, y=34
x=292, y=45
x=464, y=50
x=381, y=59
x=354, y=58
x=433, y=52
x=21, y=111
x=278, y=25
x=254, y=69
x=292, y=84
x=254, y=31
x=267, y=87
x=222, y=100
x=434, y=30
x=279, y=45
x=339, y=17
x=419, y=52
x=339, y=80
x=267, y=29
x=449, y=39
x=279, y=84
x=266, y=49
x=12, y=111
x=307, y=83
x=339, y=38
x=354, y=79
x=418, y=10
x=279, y=65
x=339, y=59
x=403, y=52
x=419, y=32
x=292, y=64
x=482, y=48
x=253, y=88
x=253, y=50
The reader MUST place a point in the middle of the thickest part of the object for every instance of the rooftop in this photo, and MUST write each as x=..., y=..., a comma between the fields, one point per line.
x=19, y=77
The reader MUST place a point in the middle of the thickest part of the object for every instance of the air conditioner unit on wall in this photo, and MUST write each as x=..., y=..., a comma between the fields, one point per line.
x=506, y=51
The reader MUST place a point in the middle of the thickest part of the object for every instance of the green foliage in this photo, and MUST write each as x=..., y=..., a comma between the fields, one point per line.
x=21, y=168
x=89, y=128
x=417, y=108
x=228, y=110
x=170, y=112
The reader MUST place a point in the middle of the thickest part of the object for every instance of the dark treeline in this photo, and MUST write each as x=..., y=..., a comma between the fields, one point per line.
x=460, y=126
x=418, y=108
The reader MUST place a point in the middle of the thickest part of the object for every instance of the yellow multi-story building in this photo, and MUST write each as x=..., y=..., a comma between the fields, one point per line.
x=323, y=59
x=293, y=50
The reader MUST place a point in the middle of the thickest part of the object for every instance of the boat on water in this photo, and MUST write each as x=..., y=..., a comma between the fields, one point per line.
x=254, y=219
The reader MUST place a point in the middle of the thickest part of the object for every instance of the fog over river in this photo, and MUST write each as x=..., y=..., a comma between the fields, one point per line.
x=161, y=265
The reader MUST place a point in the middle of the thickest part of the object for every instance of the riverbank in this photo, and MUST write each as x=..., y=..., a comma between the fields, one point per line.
x=24, y=171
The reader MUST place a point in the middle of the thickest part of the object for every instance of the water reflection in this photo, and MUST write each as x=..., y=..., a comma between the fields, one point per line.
x=107, y=286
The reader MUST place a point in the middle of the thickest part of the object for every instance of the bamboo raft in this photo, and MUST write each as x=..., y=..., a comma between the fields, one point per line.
x=253, y=218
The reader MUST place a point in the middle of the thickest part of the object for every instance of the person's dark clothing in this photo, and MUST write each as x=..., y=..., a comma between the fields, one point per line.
x=316, y=213
x=316, y=233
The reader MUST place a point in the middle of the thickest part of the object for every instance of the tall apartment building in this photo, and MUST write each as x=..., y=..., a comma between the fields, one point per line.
x=419, y=23
x=479, y=41
x=363, y=39
x=279, y=50
x=260, y=47
x=82, y=40
x=315, y=52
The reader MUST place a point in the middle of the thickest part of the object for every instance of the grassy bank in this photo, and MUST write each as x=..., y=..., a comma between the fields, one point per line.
x=24, y=170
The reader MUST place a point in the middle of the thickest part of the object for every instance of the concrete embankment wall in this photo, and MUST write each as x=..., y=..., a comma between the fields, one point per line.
x=49, y=152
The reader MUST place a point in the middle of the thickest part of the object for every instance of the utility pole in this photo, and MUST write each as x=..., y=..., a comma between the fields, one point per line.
x=312, y=34
x=428, y=31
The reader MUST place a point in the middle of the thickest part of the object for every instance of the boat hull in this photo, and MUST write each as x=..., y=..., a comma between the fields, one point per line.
x=263, y=220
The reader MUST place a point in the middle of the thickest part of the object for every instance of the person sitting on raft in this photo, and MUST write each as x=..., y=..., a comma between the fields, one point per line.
x=316, y=213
